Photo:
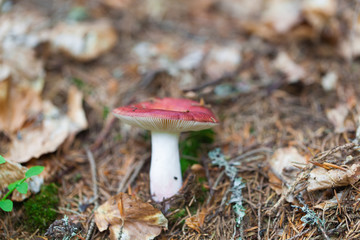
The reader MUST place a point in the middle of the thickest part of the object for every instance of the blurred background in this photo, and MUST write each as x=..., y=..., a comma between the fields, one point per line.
x=278, y=74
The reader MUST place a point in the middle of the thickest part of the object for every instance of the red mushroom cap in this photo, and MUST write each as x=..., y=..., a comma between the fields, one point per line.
x=168, y=115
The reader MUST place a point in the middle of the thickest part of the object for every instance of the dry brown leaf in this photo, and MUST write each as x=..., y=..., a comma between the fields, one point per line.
x=46, y=136
x=21, y=82
x=241, y=9
x=129, y=218
x=338, y=117
x=321, y=178
x=26, y=70
x=349, y=46
x=20, y=106
x=21, y=27
x=83, y=41
x=275, y=183
x=75, y=112
x=329, y=203
x=286, y=65
x=329, y=81
x=282, y=15
x=222, y=60
x=282, y=164
x=10, y=172
x=117, y=4
x=319, y=12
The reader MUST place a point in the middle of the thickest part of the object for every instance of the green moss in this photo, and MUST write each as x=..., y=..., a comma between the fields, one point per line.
x=40, y=209
x=190, y=147
x=106, y=111
x=180, y=214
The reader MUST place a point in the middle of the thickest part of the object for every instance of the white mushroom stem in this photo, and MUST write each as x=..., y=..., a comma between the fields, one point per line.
x=165, y=170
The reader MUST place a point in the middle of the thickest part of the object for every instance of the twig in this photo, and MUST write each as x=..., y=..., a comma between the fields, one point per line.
x=109, y=122
x=207, y=174
x=259, y=209
x=131, y=175
x=214, y=186
x=299, y=234
x=303, y=175
x=95, y=190
x=319, y=158
x=263, y=150
x=323, y=232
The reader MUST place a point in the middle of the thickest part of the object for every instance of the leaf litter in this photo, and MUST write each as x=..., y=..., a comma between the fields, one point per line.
x=129, y=218
x=287, y=126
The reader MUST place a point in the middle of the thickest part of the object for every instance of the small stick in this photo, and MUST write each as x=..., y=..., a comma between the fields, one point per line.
x=303, y=175
x=323, y=232
x=299, y=234
x=214, y=186
x=131, y=175
x=319, y=158
x=259, y=210
x=95, y=190
x=207, y=174
x=136, y=172
x=109, y=122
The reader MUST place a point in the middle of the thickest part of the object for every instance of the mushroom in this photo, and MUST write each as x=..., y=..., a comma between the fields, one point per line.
x=166, y=118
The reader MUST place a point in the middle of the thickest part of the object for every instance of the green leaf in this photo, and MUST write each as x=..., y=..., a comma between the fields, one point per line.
x=2, y=160
x=6, y=205
x=33, y=171
x=13, y=185
x=22, y=188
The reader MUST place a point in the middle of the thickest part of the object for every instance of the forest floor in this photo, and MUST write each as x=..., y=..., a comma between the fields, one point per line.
x=282, y=77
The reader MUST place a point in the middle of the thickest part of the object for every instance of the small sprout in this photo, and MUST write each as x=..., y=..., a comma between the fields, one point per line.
x=20, y=185
x=2, y=160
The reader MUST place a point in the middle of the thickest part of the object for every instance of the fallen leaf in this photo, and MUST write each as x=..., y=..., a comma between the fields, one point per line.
x=325, y=205
x=117, y=4
x=286, y=65
x=21, y=82
x=48, y=134
x=283, y=163
x=349, y=46
x=319, y=12
x=329, y=81
x=241, y=9
x=337, y=116
x=282, y=15
x=21, y=105
x=83, y=41
x=75, y=112
x=128, y=217
x=321, y=178
x=192, y=59
x=21, y=27
x=222, y=60
x=10, y=172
